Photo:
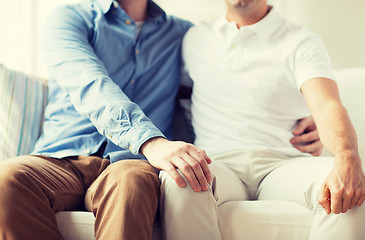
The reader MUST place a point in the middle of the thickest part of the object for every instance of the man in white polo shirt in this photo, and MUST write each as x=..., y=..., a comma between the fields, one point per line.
x=254, y=74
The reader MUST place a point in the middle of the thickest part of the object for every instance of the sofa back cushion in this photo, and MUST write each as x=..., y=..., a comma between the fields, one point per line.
x=23, y=100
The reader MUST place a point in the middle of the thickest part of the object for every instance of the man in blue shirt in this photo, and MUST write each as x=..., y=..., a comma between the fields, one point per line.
x=114, y=70
x=111, y=64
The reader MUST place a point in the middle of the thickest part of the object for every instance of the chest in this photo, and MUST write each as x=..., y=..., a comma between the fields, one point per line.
x=246, y=72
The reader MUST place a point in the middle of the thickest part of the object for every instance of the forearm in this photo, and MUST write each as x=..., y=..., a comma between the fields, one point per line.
x=336, y=131
x=334, y=126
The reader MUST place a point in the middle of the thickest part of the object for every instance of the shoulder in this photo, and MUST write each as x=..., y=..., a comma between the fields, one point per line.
x=200, y=30
x=201, y=41
x=71, y=20
x=179, y=24
x=72, y=14
x=299, y=34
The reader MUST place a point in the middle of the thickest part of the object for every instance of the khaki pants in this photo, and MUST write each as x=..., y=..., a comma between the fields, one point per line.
x=254, y=175
x=123, y=196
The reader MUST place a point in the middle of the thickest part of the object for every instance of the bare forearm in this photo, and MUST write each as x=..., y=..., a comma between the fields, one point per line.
x=336, y=130
x=344, y=187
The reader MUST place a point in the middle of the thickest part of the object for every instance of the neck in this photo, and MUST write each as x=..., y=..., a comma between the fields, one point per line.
x=247, y=16
x=136, y=9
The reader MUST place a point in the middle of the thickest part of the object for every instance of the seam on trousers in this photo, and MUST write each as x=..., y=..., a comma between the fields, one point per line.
x=211, y=189
x=314, y=227
x=214, y=218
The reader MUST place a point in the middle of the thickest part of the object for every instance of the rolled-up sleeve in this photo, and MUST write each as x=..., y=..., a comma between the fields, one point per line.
x=72, y=62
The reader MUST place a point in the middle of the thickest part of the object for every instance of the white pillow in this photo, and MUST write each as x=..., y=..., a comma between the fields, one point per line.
x=22, y=102
x=351, y=82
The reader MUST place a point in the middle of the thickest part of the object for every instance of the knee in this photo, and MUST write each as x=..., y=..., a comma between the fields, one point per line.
x=13, y=182
x=170, y=189
x=11, y=171
x=133, y=174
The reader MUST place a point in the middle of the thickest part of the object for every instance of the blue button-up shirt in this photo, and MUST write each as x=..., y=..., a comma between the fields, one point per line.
x=108, y=84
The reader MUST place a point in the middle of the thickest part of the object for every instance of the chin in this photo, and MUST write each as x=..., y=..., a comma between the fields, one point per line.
x=239, y=3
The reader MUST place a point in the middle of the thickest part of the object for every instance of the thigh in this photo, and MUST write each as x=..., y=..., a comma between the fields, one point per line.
x=225, y=185
x=298, y=180
x=131, y=177
x=59, y=181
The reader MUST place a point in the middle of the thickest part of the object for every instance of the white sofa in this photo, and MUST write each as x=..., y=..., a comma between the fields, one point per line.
x=22, y=103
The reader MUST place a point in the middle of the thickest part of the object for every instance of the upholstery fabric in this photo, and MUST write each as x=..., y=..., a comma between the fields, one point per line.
x=22, y=98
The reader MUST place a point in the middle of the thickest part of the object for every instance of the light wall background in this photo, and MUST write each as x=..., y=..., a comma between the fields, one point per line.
x=341, y=24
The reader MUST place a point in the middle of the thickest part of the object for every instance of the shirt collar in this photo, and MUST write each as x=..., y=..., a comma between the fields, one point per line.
x=263, y=28
x=105, y=5
x=153, y=9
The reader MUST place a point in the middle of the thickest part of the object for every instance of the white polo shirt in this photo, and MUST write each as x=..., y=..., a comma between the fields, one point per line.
x=247, y=81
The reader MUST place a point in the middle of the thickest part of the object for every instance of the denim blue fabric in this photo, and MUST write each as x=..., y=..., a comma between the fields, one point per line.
x=108, y=84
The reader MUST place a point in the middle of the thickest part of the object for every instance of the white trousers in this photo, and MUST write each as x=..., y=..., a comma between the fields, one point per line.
x=254, y=175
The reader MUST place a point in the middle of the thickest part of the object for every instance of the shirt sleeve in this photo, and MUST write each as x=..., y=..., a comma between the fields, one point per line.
x=312, y=61
x=72, y=62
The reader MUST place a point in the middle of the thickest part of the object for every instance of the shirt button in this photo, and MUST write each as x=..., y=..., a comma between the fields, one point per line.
x=87, y=151
x=133, y=81
x=110, y=136
x=128, y=22
x=113, y=12
x=137, y=51
x=130, y=148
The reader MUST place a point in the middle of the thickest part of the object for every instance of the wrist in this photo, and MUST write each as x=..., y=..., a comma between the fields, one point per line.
x=348, y=156
x=147, y=145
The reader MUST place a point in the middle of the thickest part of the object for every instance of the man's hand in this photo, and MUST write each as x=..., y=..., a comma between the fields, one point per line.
x=172, y=155
x=344, y=187
x=306, y=138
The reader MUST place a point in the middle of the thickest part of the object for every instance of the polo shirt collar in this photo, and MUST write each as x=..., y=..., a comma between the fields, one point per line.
x=263, y=28
x=267, y=26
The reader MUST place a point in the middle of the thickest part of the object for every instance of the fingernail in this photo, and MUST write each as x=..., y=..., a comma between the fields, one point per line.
x=197, y=188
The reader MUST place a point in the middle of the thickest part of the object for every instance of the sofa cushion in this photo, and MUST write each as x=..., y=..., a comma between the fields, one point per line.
x=23, y=99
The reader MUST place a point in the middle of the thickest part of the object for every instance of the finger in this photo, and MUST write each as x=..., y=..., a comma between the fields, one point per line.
x=348, y=197
x=300, y=127
x=305, y=138
x=171, y=170
x=354, y=200
x=204, y=154
x=310, y=148
x=187, y=171
x=345, y=204
x=318, y=153
x=336, y=203
x=324, y=200
x=197, y=169
x=360, y=201
x=199, y=157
